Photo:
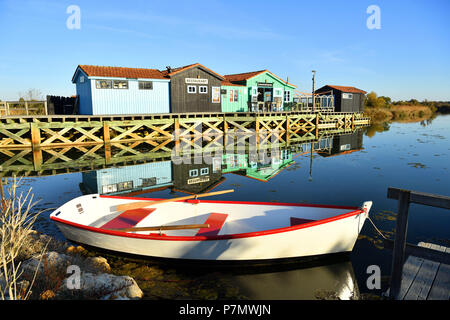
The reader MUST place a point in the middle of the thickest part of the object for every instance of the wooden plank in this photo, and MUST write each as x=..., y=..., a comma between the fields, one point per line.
x=441, y=285
x=106, y=134
x=410, y=269
x=423, y=198
x=423, y=252
x=421, y=285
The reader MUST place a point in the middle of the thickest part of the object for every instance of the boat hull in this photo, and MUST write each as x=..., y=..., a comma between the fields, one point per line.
x=321, y=239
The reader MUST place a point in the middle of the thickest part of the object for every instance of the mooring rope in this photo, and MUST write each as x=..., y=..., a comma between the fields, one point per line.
x=373, y=224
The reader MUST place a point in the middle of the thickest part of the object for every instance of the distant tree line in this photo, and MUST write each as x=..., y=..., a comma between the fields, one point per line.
x=374, y=101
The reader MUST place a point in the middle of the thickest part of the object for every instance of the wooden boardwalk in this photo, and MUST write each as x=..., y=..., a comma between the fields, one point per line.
x=38, y=132
x=425, y=274
x=424, y=279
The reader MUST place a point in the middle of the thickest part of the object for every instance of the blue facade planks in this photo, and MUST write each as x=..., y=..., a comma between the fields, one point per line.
x=133, y=100
x=128, y=179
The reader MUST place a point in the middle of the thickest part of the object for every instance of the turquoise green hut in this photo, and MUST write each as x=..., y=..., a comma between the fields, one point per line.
x=250, y=91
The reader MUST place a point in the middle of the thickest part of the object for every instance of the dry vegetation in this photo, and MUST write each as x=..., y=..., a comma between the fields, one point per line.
x=16, y=221
x=399, y=113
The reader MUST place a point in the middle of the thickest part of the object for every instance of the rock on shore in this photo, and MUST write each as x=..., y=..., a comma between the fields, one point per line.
x=67, y=272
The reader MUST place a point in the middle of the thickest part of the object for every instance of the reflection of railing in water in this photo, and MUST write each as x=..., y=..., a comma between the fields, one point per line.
x=51, y=161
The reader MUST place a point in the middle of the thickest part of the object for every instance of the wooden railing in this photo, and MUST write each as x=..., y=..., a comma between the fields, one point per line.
x=9, y=108
x=399, y=245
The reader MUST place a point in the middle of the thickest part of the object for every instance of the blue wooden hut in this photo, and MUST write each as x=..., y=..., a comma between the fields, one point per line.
x=118, y=90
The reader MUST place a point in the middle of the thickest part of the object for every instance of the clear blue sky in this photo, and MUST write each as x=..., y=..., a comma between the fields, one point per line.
x=407, y=58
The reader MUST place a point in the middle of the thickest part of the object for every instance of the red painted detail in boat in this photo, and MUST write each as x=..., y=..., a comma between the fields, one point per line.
x=128, y=219
x=296, y=221
x=241, y=202
x=202, y=238
x=215, y=221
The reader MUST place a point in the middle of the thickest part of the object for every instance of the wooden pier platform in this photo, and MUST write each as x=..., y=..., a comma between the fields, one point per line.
x=424, y=279
x=39, y=132
x=425, y=275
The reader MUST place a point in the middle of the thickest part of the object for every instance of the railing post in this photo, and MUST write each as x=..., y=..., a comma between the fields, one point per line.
x=36, y=146
x=400, y=243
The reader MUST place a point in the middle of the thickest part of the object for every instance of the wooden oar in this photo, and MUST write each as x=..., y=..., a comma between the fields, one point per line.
x=143, y=204
x=157, y=228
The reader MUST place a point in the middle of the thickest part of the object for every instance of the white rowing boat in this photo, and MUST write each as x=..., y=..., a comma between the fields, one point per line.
x=210, y=230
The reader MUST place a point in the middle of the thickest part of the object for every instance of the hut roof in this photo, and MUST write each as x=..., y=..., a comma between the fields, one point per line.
x=174, y=71
x=344, y=89
x=239, y=77
x=228, y=83
x=120, y=72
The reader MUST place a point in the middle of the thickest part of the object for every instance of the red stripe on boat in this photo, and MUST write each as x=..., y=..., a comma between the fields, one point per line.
x=296, y=221
x=128, y=219
x=215, y=221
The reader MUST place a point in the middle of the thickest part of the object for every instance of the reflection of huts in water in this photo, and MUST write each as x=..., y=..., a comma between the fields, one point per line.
x=118, y=90
x=344, y=144
x=194, y=88
x=256, y=167
x=138, y=178
x=346, y=99
x=197, y=178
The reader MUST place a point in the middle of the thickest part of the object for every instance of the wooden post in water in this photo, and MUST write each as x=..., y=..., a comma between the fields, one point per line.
x=400, y=243
x=288, y=125
x=36, y=145
x=257, y=129
x=225, y=130
x=176, y=135
x=106, y=134
x=317, y=125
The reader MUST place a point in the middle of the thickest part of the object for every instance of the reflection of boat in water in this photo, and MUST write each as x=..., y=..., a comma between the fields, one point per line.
x=334, y=280
x=210, y=230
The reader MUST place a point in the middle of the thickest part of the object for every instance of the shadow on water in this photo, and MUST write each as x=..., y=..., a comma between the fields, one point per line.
x=319, y=277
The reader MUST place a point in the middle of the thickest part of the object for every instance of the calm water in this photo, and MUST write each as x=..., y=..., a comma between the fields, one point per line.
x=347, y=170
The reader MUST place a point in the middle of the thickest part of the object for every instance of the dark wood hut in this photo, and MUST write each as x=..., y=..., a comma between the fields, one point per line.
x=194, y=88
x=346, y=99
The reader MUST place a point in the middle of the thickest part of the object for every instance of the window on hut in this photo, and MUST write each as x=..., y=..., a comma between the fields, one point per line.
x=203, y=89
x=233, y=96
x=191, y=89
x=347, y=96
x=287, y=96
x=120, y=84
x=103, y=84
x=193, y=173
x=145, y=85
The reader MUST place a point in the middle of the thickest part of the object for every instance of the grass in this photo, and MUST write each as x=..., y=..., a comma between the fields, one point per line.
x=16, y=221
x=402, y=113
